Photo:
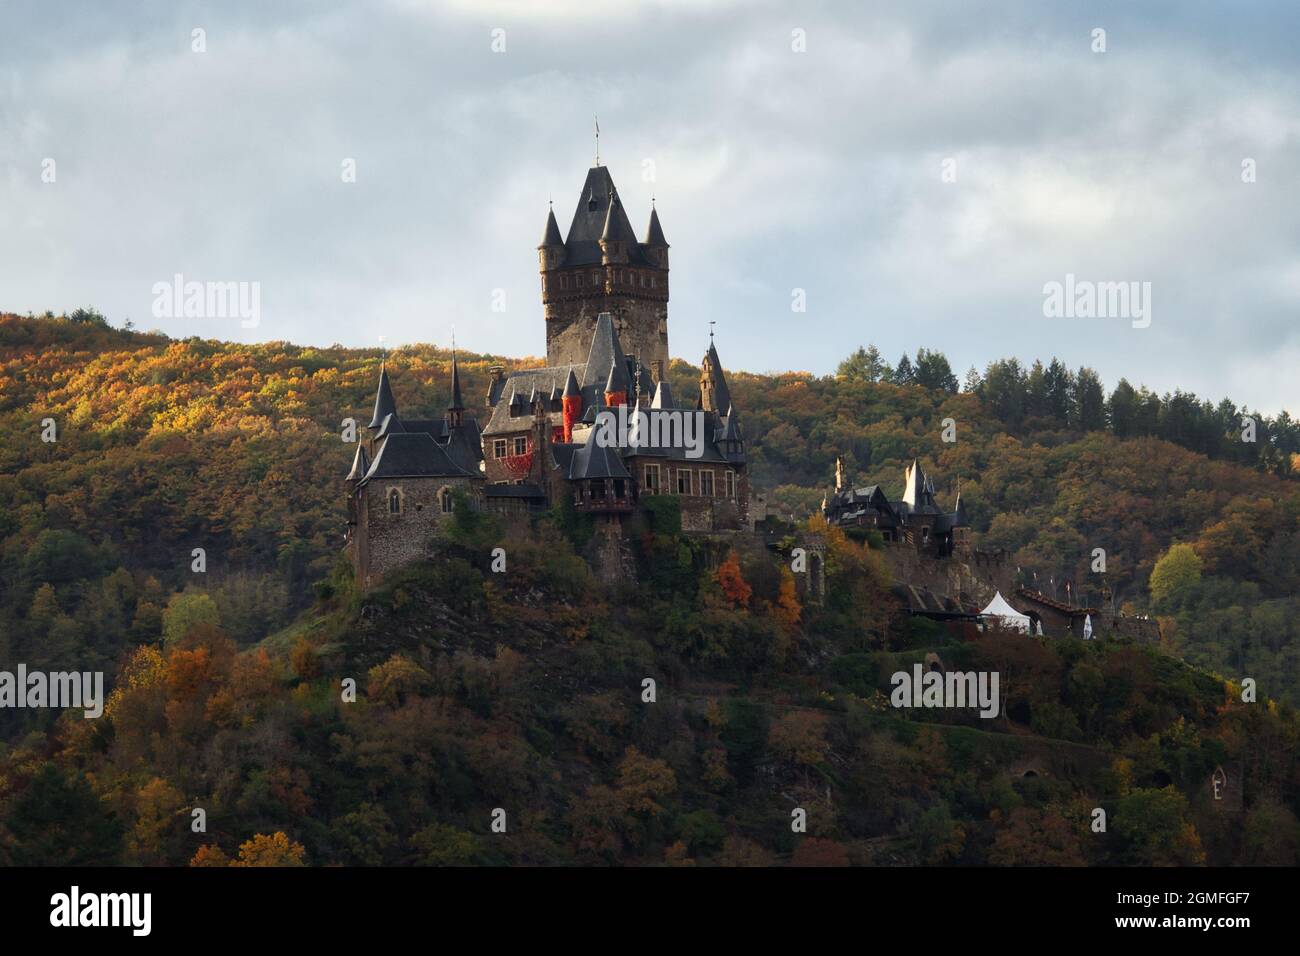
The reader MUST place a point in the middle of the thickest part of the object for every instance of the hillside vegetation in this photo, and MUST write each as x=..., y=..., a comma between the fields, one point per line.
x=524, y=692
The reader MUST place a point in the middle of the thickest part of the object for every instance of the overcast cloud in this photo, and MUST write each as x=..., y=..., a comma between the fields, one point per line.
x=774, y=170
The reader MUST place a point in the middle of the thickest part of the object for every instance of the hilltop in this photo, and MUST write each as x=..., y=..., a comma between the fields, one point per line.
x=479, y=691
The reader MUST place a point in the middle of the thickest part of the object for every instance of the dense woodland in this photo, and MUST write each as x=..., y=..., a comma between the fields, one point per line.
x=523, y=691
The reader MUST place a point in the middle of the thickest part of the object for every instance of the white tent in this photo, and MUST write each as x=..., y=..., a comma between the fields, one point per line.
x=1006, y=615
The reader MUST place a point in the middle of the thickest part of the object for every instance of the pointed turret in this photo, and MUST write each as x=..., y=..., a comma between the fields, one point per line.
x=714, y=394
x=913, y=484
x=613, y=238
x=571, y=405
x=551, y=236
x=551, y=252
x=384, y=403
x=360, y=465
x=655, y=247
x=663, y=395
x=456, y=408
x=730, y=437
x=616, y=384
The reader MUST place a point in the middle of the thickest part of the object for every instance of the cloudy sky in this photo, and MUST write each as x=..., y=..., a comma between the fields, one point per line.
x=789, y=145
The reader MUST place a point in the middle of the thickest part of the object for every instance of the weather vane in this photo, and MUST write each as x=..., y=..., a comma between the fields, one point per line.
x=712, y=323
x=597, y=119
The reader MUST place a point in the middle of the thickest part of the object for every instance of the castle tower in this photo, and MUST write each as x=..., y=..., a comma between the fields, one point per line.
x=571, y=405
x=714, y=394
x=601, y=267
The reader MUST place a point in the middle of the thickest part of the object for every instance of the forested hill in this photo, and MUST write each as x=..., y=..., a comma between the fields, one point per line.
x=479, y=690
x=167, y=445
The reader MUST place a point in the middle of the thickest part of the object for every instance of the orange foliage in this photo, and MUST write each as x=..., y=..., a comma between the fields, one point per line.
x=733, y=582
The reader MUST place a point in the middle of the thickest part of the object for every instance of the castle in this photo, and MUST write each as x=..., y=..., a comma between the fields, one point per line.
x=547, y=436
x=916, y=519
x=547, y=441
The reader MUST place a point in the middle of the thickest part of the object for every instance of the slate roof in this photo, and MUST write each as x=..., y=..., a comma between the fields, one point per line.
x=654, y=234
x=384, y=404
x=551, y=236
x=359, y=465
x=591, y=378
x=525, y=490
x=663, y=395
x=413, y=455
x=582, y=244
x=721, y=394
x=594, y=460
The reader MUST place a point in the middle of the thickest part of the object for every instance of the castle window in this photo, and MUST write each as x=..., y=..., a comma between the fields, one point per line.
x=521, y=446
x=684, y=481
x=595, y=278
x=582, y=279
x=394, y=501
x=498, y=448
x=445, y=500
x=564, y=282
x=643, y=280
x=652, y=282
x=706, y=484
x=652, y=479
x=729, y=484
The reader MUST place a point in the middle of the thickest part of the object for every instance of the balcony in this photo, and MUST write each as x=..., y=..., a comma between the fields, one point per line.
x=602, y=504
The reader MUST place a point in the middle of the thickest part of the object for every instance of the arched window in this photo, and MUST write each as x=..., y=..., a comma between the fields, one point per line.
x=394, y=501
x=444, y=498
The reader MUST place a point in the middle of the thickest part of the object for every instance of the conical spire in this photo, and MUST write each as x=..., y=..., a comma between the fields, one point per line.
x=617, y=381
x=457, y=403
x=663, y=395
x=551, y=237
x=360, y=465
x=731, y=430
x=611, y=219
x=654, y=234
x=571, y=385
x=914, y=484
x=384, y=403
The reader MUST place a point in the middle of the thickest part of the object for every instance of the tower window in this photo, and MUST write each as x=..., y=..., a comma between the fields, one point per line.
x=581, y=280
x=394, y=501
x=564, y=282
x=652, y=479
x=729, y=484
x=444, y=499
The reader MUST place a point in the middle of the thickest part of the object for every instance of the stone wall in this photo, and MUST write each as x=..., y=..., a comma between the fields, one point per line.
x=641, y=320
x=385, y=541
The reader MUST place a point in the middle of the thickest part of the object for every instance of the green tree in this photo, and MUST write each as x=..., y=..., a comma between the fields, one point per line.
x=60, y=821
x=185, y=610
x=1175, y=575
x=864, y=365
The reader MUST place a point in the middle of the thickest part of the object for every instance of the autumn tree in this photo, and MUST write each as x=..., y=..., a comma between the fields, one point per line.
x=733, y=582
x=274, y=850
